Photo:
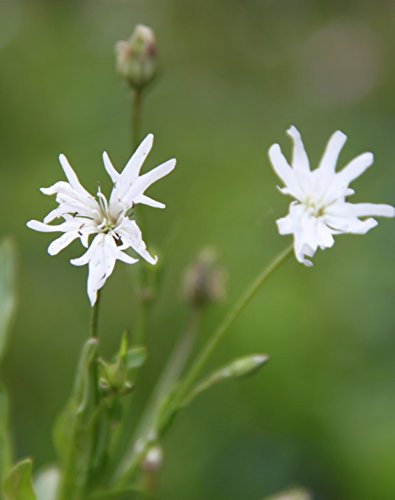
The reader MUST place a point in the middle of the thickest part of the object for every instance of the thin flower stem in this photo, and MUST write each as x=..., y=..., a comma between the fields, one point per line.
x=208, y=349
x=95, y=317
x=137, y=101
x=235, y=312
x=167, y=379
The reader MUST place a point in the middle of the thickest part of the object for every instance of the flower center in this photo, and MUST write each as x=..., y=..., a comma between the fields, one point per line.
x=107, y=222
x=314, y=206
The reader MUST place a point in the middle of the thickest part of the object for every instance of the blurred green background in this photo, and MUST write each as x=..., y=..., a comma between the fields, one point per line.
x=235, y=74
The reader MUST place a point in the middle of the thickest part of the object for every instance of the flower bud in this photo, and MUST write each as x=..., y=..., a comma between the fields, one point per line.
x=153, y=459
x=136, y=58
x=204, y=279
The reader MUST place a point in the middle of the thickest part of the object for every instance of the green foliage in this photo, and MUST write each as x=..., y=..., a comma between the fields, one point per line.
x=239, y=368
x=74, y=433
x=7, y=293
x=5, y=442
x=18, y=483
x=7, y=306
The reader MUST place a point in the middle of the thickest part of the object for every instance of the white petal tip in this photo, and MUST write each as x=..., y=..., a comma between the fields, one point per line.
x=293, y=131
x=273, y=150
x=340, y=135
x=172, y=164
x=34, y=224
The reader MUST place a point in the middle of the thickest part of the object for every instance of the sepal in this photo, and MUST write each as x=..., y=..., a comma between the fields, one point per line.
x=18, y=484
x=239, y=368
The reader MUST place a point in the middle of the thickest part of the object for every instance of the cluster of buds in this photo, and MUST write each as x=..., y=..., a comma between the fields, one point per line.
x=204, y=279
x=136, y=58
x=115, y=376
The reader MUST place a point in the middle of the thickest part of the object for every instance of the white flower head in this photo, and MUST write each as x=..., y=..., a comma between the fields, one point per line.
x=320, y=209
x=110, y=222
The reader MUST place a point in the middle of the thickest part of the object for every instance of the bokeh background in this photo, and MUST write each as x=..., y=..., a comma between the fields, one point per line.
x=235, y=74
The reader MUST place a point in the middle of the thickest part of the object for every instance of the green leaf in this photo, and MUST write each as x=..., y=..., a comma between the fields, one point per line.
x=7, y=294
x=238, y=368
x=5, y=441
x=74, y=432
x=18, y=484
x=135, y=357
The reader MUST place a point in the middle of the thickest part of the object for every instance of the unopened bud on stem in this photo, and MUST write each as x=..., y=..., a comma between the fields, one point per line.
x=136, y=58
x=204, y=279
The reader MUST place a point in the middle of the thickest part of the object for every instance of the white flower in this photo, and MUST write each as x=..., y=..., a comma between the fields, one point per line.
x=110, y=221
x=321, y=210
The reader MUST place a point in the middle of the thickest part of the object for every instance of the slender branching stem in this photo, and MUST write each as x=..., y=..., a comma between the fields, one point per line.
x=191, y=376
x=228, y=321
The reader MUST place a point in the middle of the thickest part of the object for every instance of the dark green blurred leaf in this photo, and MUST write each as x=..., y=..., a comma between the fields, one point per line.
x=18, y=484
x=239, y=368
x=7, y=293
x=5, y=442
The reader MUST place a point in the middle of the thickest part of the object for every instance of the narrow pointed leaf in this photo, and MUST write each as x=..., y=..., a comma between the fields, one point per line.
x=7, y=294
x=18, y=484
x=238, y=368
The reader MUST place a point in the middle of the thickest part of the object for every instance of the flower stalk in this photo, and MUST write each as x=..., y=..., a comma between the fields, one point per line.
x=228, y=321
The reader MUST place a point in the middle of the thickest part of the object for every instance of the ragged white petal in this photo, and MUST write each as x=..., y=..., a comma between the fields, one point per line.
x=133, y=166
x=130, y=173
x=328, y=161
x=137, y=189
x=62, y=242
x=110, y=168
x=351, y=225
x=300, y=160
x=324, y=235
x=131, y=235
x=284, y=171
x=54, y=214
x=124, y=257
x=285, y=225
x=46, y=228
x=362, y=210
x=101, y=264
x=71, y=175
x=355, y=168
x=146, y=200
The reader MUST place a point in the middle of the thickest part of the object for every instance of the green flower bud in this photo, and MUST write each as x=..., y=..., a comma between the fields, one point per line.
x=204, y=279
x=136, y=58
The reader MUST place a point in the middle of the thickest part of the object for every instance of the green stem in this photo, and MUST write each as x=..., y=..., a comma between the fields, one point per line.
x=95, y=377
x=208, y=349
x=166, y=381
x=95, y=317
x=223, y=327
x=137, y=101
